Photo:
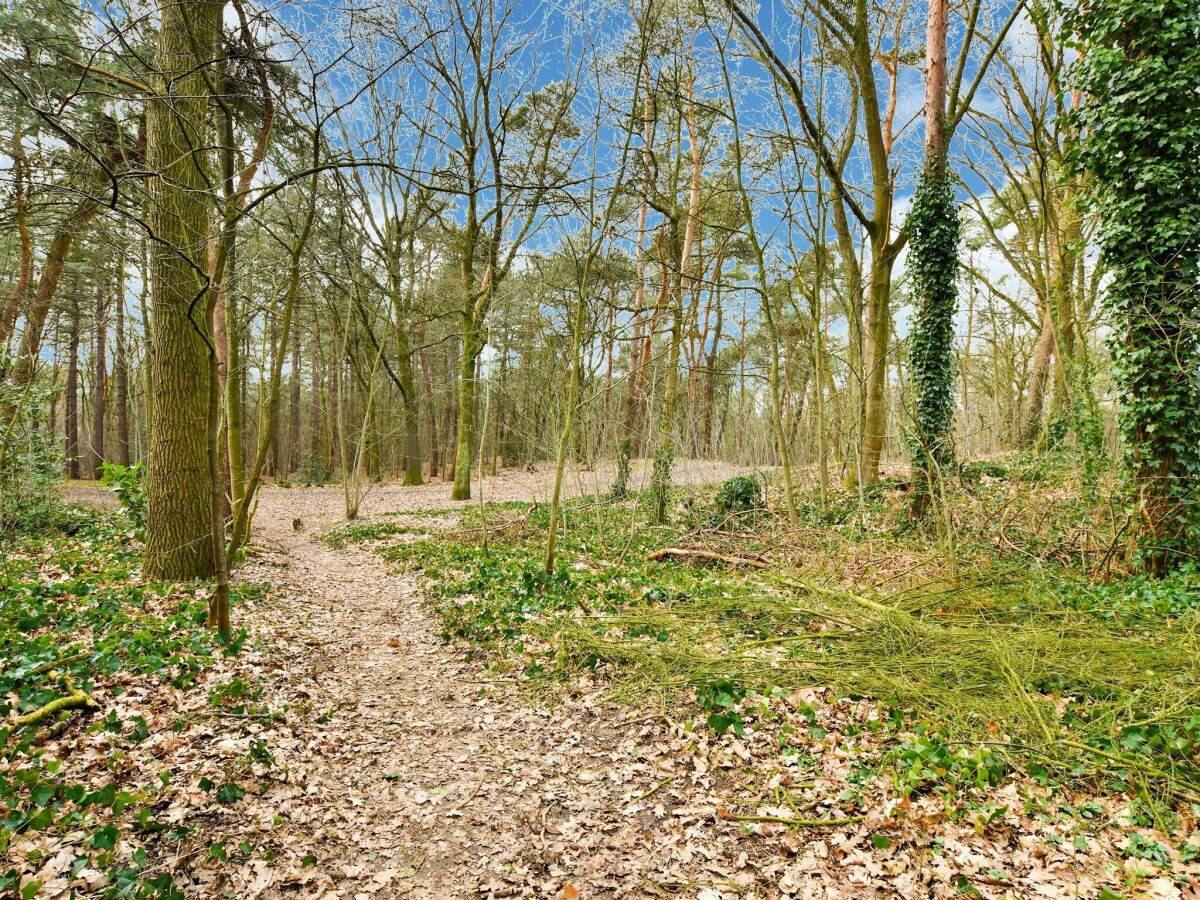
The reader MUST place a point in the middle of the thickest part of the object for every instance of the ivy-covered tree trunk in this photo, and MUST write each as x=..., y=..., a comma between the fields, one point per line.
x=933, y=264
x=1137, y=73
x=179, y=541
x=933, y=229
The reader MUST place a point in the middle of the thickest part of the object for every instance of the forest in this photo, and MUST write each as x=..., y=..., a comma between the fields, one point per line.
x=688, y=449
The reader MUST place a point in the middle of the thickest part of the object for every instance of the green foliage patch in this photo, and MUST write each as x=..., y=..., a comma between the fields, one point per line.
x=30, y=459
x=128, y=484
x=740, y=494
x=74, y=617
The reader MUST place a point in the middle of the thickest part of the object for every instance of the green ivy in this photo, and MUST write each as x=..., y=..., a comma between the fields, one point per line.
x=739, y=494
x=620, y=488
x=660, y=484
x=933, y=227
x=128, y=483
x=70, y=609
x=1139, y=145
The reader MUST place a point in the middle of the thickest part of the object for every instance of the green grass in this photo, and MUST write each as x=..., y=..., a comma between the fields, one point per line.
x=1008, y=641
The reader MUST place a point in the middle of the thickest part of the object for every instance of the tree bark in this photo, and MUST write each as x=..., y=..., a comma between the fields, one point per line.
x=879, y=315
x=71, y=407
x=180, y=536
x=99, y=384
x=1035, y=388
x=121, y=371
x=314, y=399
x=466, y=409
x=294, y=417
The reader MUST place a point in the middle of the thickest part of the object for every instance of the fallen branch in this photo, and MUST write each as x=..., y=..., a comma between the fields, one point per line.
x=76, y=698
x=690, y=553
x=57, y=663
x=792, y=823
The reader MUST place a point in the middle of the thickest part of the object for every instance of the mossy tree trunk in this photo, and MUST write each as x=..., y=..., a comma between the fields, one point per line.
x=464, y=448
x=179, y=541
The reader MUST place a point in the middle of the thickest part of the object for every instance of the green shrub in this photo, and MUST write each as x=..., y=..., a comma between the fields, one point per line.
x=720, y=698
x=128, y=483
x=739, y=494
x=313, y=472
x=30, y=461
x=926, y=763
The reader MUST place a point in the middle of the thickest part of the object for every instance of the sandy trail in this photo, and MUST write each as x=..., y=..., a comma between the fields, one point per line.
x=426, y=776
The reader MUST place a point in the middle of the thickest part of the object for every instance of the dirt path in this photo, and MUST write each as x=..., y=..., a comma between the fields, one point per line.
x=373, y=759
x=426, y=777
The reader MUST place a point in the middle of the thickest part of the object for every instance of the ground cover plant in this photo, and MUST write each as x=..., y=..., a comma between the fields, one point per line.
x=92, y=657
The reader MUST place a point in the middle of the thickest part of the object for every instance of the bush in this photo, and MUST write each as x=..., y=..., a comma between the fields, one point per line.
x=739, y=494
x=313, y=472
x=128, y=483
x=30, y=460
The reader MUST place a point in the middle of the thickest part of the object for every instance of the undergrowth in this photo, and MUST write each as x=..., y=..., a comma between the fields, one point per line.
x=74, y=622
x=1013, y=649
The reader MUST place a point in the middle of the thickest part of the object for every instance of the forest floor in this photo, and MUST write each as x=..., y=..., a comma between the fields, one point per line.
x=350, y=750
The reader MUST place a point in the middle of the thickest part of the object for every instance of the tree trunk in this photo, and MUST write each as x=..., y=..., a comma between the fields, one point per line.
x=12, y=307
x=294, y=401
x=232, y=449
x=71, y=407
x=466, y=409
x=335, y=418
x=879, y=315
x=99, y=385
x=121, y=371
x=933, y=262
x=43, y=295
x=434, y=442
x=1035, y=389
x=314, y=399
x=273, y=455
x=180, y=541
x=412, y=406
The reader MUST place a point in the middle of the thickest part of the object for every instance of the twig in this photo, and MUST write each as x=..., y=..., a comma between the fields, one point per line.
x=57, y=663
x=695, y=553
x=794, y=823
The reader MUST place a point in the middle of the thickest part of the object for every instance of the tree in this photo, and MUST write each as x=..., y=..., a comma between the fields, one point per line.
x=1137, y=71
x=498, y=140
x=180, y=541
x=933, y=229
